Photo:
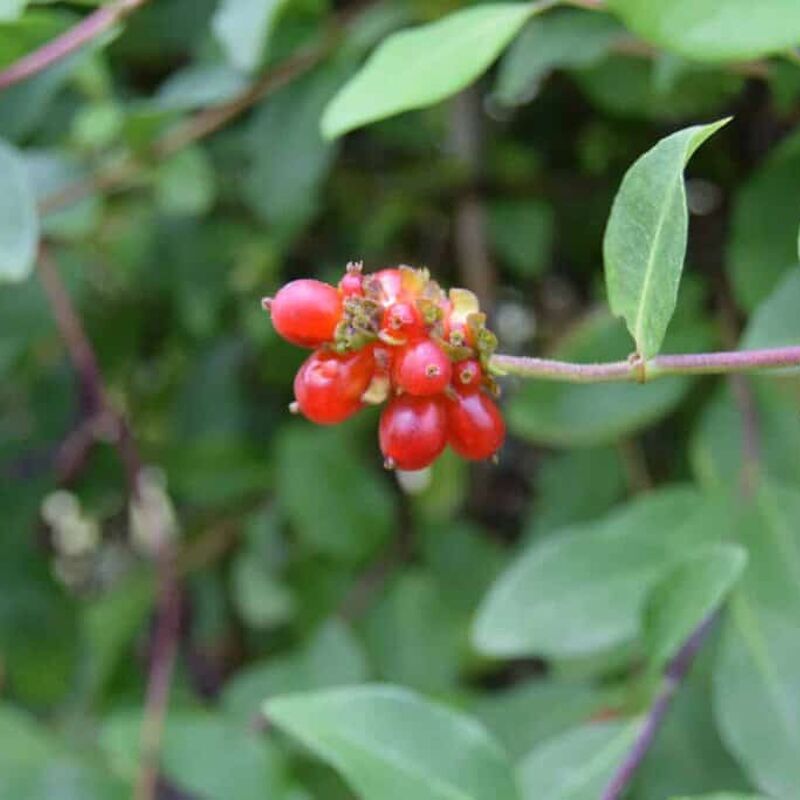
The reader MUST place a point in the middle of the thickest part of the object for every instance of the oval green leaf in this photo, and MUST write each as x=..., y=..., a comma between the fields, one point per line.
x=582, y=591
x=419, y=67
x=686, y=595
x=391, y=744
x=645, y=240
x=578, y=764
x=19, y=220
x=243, y=28
x=714, y=30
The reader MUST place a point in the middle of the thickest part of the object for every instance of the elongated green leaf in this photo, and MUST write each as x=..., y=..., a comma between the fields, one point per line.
x=583, y=589
x=19, y=220
x=756, y=682
x=390, y=744
x=686, y=595
x=710, y=30
x=422, y=66
x=243, y=27
x=645, y=240
x=576, y=765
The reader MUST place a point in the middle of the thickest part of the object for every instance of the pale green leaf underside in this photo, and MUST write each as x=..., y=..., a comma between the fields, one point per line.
x=687, y=595
x=391, y=744
x=19, y=220
x=645, y=239
x=714, y=30
x=243, y=28
x=419, y=67
x=578, y=764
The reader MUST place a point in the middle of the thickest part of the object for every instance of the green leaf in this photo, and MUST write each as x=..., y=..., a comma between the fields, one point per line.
x=202, y=753
x=186, y=183
x=11, y=9
x=19, y=219
x=332, y=657
x=35, y=765
x=710, y=30
x=198, y=86
x=723, y=796
x=716, y=447
x=578, y=416
x=756, y=682
x=350, y=511
x=391, y=744
x=565, y=38
x=420, y=67
x=686, y=595
x=578, y=764
x=582, y=590
x=763, y=243
x=775, y=322
x=645, y=240
x=243, y=28
x=528, y=714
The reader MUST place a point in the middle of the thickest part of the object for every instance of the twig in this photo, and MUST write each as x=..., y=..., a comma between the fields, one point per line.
x=101, y=413
x=674, y=675
x=90, y=27
x=635, y=370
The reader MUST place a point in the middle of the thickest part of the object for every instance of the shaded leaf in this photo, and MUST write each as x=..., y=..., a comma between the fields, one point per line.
x=391, y=744
x=243, y=27
x=19, y=219
x=422, y=66
x=708, y=30
x=645, y=240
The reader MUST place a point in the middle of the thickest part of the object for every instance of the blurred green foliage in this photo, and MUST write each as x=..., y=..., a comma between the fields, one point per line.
x=525, y=608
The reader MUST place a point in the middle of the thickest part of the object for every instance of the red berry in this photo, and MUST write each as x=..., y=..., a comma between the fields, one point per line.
x=306, y=312
x=391, y=284
x=413, y=431
x=402, y=319
x=475, y=426
x=422, y=368
x=328, y=387
x=467, y=375
x=457, y=332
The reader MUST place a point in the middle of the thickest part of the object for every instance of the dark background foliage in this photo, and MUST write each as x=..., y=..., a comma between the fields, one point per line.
x=302, y=563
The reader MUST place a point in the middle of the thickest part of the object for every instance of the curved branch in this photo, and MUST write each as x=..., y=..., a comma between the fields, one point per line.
x=88, y=29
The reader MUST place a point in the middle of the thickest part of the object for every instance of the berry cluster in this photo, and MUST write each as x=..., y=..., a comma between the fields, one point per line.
x=395, y=335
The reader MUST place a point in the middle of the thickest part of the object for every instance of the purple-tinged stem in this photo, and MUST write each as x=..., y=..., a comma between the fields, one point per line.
x=638, y=371
x=88, y=29
x=674, y=675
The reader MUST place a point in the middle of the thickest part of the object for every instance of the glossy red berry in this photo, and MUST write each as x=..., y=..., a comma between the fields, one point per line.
x=422, y=368
x=390, y=282
x=351, y=284
x=475, y=426
x=328, y=387
x=306, y=312
x=402, y=319
x=413, y=431
x=467, y=375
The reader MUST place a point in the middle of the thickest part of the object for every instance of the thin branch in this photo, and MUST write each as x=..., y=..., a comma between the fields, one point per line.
x=635, y=370
x=102, y=414
x=89, y=28
x=674, y=676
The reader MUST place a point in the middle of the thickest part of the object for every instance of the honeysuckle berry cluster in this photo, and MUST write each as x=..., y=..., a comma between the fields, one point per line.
x=395, y=336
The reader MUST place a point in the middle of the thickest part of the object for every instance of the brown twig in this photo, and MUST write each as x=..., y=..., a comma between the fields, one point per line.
x=89, y=28
x=103, y=418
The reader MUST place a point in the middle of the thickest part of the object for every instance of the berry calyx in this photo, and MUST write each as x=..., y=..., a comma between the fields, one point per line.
x=475, y=426
x=422, y=368
x=305, y=312
x=412, y=431
x=328, y=387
